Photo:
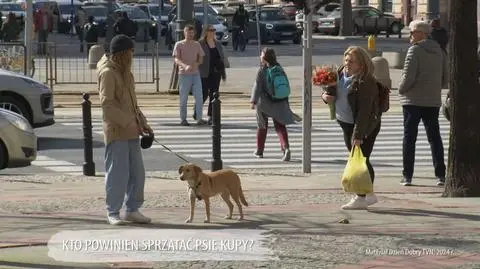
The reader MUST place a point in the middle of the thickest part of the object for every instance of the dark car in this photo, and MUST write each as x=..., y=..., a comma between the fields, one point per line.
x=366, y=19
x=274, y=26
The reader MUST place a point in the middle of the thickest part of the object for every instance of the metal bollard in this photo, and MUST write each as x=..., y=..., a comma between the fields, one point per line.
x=88, y=165
x=216, y=134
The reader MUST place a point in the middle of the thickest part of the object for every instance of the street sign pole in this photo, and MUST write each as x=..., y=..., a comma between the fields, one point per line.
x=159, y=22
x=257, y=20
x=110, y=22
x=205, y=13
x=29, y=35
x=307, y=89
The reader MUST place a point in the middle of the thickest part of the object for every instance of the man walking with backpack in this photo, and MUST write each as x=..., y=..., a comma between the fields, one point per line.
x=270, y=99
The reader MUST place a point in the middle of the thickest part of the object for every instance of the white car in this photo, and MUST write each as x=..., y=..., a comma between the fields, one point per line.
x=27, y=97
x=222, y=32
x=18, y=142
x=322, y=12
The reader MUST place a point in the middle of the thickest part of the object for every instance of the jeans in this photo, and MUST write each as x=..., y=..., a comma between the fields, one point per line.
x=411, y=118
x=193, y=82
x=366, y=146
x=125, y=175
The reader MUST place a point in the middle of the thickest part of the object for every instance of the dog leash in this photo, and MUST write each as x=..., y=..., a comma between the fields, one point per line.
x=165, y=147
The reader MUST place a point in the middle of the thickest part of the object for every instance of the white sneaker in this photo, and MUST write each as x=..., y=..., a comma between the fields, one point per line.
x=115, y=220
x=371, y=199
x=137, y=217
x=357, y=202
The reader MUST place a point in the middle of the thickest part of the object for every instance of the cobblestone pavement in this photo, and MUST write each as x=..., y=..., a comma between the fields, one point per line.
x=300, y=211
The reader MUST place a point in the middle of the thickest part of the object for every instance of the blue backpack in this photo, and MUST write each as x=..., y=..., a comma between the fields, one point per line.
x=277, y=83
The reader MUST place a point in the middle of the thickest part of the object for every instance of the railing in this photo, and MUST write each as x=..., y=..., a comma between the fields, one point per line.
x=65, y=64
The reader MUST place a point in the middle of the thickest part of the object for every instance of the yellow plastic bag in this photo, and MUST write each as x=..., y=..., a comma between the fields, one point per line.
x=356, y=177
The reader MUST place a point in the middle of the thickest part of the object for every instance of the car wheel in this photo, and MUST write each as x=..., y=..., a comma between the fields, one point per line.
x=297, y=40
x=17, y=106
x=395, y=28
x=3, y=156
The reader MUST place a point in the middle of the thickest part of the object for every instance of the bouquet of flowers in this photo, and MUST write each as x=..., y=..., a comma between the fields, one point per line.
x=326, y=77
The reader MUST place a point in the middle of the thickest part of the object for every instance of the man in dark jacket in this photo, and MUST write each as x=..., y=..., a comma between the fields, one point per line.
x=439, y=34
x=125, y=26
x=425, y=74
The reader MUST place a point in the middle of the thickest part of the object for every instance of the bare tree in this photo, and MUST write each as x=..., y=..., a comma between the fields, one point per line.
x=463, y=175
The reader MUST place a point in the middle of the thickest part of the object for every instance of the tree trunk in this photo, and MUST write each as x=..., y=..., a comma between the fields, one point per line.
x=346, y=23
x=463, y=176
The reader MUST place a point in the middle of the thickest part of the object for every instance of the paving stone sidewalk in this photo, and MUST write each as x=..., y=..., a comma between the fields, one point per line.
x=411, y=227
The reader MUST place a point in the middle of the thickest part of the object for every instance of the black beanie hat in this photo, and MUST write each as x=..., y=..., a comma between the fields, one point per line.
x=120, y=43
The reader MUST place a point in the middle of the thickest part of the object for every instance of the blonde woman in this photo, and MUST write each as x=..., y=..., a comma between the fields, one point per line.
x=357, y=110
x=123, y=123
x=212, y=69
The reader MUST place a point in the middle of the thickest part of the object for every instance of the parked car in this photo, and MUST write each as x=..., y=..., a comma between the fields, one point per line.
x=27, y=97
x=322, y=12
x=221, y=30
x=197, y=9
x=290, y=10
x=18, y=142
x=366, y=19
x=274, y=26
x=65, y=14
x=153, y=11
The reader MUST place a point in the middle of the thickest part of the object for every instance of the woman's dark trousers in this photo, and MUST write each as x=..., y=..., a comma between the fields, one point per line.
x=366, y=146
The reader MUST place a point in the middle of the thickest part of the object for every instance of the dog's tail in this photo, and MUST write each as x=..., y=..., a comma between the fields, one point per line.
x=242, y=197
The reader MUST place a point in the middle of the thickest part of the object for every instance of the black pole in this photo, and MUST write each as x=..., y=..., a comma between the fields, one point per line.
x=88, y=165
x=216, y=134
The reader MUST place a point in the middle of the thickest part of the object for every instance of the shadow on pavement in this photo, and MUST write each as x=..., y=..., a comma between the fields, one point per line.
x=22, y=180
x=425, y=213
x=66, y=220
x=46, y=143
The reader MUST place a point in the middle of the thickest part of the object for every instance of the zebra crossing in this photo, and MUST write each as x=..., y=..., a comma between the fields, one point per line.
x=328, y=150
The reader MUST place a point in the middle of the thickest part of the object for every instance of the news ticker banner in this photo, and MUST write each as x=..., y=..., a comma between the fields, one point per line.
x=130, y=245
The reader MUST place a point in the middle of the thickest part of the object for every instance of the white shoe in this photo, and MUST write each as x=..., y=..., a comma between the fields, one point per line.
x=357, y=202
x=137, y=217
x=115, y=220
x=371, y=199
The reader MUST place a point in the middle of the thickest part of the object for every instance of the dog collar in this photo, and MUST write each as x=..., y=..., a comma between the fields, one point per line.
x=194, y=188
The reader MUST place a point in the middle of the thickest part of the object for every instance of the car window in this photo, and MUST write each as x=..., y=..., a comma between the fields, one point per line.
x=211, y=19
x=96, y=11
x=372, y=13
x=330, y=8
x=143, y=8
x=334, y=13
x=156, y=9
x=272, y=15
x=11, y=7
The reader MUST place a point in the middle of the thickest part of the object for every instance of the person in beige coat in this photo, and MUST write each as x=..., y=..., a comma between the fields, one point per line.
x=123, y=124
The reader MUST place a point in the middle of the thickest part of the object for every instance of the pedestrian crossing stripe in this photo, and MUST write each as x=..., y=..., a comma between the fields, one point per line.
x=328, y=151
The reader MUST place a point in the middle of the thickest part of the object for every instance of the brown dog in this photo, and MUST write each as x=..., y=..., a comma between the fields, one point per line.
x=204, y=185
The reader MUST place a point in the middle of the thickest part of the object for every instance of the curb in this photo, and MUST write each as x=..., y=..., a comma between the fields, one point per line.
x=72, y=93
